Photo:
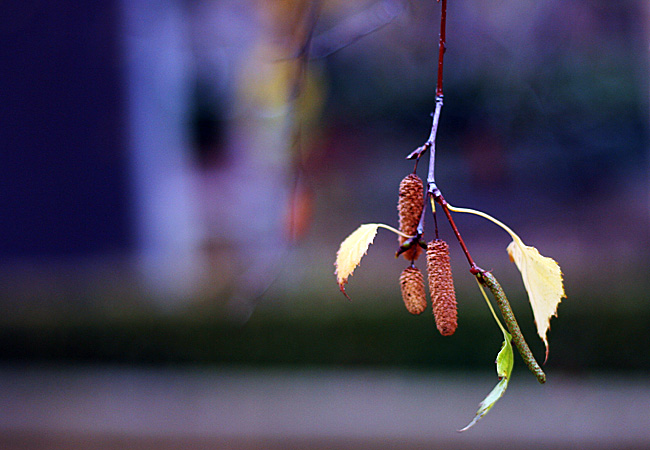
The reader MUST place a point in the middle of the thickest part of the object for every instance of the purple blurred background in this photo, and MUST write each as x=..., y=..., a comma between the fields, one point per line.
x=148, y=147
x=155, y=155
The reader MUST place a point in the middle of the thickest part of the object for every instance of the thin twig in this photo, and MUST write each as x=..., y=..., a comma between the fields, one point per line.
x=437, y=195
x=442, y=46
x=432, y=190
x=356, y=27
x=431, y=144
x=309, y=22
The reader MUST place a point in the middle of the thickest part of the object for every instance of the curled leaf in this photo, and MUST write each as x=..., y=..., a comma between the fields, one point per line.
x=505, y=362
x=542, y=278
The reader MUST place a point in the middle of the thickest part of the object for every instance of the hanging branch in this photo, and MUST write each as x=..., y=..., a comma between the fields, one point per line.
x=542, y=276
x=430, y=144
x=484, y=277
x=432, y=189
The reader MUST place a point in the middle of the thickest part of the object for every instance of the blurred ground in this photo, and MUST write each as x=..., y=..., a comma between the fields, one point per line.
x=115, y=407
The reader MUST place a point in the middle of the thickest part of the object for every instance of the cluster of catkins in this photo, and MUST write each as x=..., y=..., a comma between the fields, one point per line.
x=441, y=284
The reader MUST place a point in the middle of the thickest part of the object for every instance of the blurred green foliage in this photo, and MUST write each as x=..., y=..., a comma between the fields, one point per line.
x=345, y=334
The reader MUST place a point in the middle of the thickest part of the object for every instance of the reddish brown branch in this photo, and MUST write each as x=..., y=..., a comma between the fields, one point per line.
x=442, y=45
x=473, y=268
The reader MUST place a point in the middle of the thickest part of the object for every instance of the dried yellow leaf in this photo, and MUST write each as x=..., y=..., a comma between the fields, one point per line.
x=542, y=278
x=352, y=249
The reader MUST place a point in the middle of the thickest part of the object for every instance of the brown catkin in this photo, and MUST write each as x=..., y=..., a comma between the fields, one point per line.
x=441, y=286
x=412, y=283
x=409, y=206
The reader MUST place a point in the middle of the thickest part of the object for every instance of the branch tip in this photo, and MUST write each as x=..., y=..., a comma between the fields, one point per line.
x=418, y=152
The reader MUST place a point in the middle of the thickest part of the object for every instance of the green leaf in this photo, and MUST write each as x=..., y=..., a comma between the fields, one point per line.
x=505, y=361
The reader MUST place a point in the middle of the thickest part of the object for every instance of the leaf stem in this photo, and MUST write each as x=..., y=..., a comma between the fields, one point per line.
x=487, y=300
x=388, y=227
x=430, y=144
x=488, y=217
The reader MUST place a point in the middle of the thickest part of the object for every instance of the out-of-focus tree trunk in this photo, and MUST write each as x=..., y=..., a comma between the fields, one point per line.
x=248, y=197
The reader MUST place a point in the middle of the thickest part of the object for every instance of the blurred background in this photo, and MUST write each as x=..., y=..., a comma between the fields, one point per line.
x=177, y=177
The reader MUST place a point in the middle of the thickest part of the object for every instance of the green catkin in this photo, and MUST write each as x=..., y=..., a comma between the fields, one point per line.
x=517, y=337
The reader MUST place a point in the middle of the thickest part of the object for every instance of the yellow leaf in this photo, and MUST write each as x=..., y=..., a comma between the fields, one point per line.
x=352, y=250
x=542, y=278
